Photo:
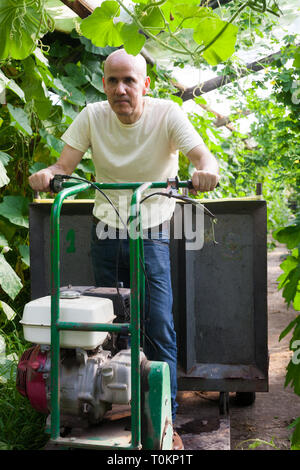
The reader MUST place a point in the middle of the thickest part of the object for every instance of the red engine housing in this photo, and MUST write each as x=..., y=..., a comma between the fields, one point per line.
x=30, y=381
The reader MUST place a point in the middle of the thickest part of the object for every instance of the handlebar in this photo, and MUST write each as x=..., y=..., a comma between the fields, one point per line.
x=60, y=181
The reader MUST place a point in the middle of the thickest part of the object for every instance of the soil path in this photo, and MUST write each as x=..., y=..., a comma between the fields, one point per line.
x=268, y=418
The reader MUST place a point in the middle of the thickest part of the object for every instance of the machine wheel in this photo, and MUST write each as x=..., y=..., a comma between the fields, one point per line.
x=244, y=398
x=157, y=429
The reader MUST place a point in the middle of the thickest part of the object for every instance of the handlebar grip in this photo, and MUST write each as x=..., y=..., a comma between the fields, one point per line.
x=56, y=183
x=190, y=184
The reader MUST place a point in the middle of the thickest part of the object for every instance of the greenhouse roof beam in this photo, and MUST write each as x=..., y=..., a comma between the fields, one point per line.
x=221, y=80
x=80, y=7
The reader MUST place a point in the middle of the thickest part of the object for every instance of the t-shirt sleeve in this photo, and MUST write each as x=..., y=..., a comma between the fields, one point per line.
x=78, y=133
x=182, y=133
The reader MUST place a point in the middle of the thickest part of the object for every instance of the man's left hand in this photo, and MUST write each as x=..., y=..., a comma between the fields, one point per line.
x=204, y=181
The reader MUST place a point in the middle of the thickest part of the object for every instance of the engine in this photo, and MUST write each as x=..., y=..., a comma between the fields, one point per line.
x=94, y=372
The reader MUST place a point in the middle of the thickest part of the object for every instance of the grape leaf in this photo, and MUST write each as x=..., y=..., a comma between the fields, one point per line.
x=11, y=85
x=133, y=40
x=208, y=28
x=4, y=179
x=20, y=119
x=15, y=209
x=100, y=28
x=289, y=235
x=9, y=312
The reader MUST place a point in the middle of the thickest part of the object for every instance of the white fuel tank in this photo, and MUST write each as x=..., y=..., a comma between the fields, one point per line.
x=36, y=320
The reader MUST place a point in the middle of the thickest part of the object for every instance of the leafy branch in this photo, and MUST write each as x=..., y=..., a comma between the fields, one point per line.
x=213, y=38
x=147, y=31
x=234, y=16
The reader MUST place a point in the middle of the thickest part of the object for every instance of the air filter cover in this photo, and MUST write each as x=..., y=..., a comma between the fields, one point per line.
x=36, y=320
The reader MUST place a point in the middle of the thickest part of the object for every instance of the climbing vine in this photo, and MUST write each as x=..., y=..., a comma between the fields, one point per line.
x=166, y=23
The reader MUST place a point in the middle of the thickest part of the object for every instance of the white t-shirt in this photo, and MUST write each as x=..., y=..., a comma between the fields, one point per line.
x=144, y=151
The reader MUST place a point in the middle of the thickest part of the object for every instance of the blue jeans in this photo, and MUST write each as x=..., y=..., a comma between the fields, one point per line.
x=160, y=336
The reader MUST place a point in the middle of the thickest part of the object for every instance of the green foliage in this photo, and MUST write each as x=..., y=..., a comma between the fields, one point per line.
x=253, y=444
x=166, y=22
x=21, y=427
x=289, y=282
x=286, y=83
x=44, y=93
x=295, y=441
x=9, y=280
x=22, y=24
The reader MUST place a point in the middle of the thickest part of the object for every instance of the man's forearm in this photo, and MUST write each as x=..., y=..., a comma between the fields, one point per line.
x=203, y=159
x=58, y=169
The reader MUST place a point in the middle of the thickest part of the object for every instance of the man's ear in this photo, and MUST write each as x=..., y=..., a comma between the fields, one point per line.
x=103, y=81
x=147, y=85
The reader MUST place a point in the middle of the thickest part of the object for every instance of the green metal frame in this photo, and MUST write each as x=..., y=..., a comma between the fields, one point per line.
x=137, y=283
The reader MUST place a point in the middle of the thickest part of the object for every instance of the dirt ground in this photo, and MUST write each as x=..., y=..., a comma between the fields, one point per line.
x=268, y=418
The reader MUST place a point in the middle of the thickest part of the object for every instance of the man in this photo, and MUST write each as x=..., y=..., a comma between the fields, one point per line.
x=135, y=138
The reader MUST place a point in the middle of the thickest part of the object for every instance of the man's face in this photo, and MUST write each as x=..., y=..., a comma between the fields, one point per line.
x=125, y=85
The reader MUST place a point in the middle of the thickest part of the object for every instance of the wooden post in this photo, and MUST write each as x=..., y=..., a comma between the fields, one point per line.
x=258, y=189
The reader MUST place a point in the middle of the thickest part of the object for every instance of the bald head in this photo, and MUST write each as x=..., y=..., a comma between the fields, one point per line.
x=120, y=56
